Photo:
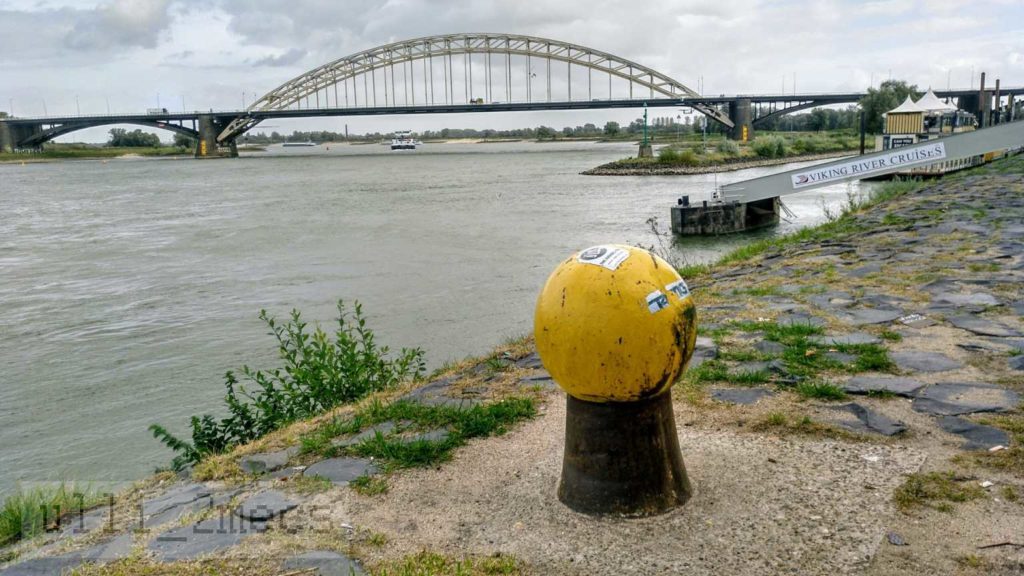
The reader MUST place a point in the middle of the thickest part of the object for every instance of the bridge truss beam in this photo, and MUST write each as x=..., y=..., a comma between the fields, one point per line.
x=340, y=76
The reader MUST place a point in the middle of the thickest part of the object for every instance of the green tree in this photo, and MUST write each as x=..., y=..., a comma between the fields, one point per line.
x=611, y=128
x=887, y=96
x=119, y=137
x=184, y=141
x=545, y=133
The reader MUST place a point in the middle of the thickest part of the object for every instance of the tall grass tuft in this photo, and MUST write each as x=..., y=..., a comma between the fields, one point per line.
x=30, y=512
x=318, y=373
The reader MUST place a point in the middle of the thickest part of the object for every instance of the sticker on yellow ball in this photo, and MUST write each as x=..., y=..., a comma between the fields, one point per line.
x=656, y=301
x=679, y=288
x=609, y=257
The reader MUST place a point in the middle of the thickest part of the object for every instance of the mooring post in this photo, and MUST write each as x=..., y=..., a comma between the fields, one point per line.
x=615, y=326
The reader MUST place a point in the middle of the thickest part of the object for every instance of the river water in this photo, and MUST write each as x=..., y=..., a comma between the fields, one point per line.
x=128, y=287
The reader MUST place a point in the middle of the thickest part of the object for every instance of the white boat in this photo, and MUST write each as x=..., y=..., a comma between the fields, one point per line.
x=403, y=140
x=293, y=144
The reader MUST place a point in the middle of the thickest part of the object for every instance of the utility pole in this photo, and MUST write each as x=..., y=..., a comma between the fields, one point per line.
x=77, y=105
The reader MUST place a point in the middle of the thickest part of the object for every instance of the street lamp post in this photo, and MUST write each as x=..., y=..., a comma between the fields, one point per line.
x=645, y=146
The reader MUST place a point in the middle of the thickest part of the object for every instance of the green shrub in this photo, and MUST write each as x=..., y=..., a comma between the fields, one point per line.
x=318, y=374
x=668, y=155
x=769, y=146
x=688, y=158
x=729, y=148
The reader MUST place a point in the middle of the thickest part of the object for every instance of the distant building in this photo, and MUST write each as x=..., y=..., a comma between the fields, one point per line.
x=926, y=119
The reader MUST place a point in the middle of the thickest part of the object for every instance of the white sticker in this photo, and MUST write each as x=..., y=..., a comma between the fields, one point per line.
x=679, y=288
x=608, y=256
x=656, y=301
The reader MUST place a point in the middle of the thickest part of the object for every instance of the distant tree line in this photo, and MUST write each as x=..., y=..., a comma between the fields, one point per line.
x=122, y=138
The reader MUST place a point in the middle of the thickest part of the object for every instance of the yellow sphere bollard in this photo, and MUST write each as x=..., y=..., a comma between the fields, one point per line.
x=615, y=326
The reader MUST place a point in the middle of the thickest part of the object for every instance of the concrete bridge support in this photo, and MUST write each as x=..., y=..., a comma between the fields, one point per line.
x=207, y=146
x=743, y=119
x=11, y=135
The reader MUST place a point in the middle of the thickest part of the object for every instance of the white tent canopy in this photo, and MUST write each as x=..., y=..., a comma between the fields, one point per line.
x=931, y=103
x=907, y=107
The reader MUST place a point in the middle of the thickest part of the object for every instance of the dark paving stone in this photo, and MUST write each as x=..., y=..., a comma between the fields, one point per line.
x=204, y=537
x=769, y=347
x=841, y=358
x=51, y=566
x=532, y=362
x=982, y=326
x=864, y=316
x=384, y=428
x=955, y=399
x=866, y=270
x=175, y=498
x=86, y=522
x=883, y=301
x=782, y=305
x=326, y=564
x=979, y=437
x=704, y=350
x=867, y=420
x=266, y=462
x=898, y=386
x=114, y=549
x=914, y=360
x=977, y=346
x=751, y=368
x=436, y=387
x=540, y=376
x=265, y=506
x=940, y=286
x=460, y=403
x=1016, y=362
x=799, y=320
x=438, y=435
x=744, y=396
x=968, y=299
x=843, y=339
x=831, y=300
x=341, y=470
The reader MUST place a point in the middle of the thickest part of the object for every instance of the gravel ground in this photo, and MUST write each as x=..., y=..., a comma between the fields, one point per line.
x=762, y=505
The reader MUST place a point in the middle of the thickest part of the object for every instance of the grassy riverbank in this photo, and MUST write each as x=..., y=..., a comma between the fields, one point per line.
x=696, y=157
x=86, y=151
x=468, y=458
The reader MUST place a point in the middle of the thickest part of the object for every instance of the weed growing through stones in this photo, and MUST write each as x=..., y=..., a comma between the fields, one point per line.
x=935, y=490
x=820, y=391
x=370, y=485
x=394, y=451
x=318, y=373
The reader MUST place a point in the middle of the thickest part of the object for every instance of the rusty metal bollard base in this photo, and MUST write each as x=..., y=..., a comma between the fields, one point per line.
x=622, y=458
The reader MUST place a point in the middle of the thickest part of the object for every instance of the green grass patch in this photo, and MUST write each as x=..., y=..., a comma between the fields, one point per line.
x=936, y=490
x=891, y=336
x=396, y=452
x=783, y=424
x=432, y=564
x=32, y=511
x=820, y=391
x=709, y=371
x=748, y=378
x=758, y=291
x=370, y=485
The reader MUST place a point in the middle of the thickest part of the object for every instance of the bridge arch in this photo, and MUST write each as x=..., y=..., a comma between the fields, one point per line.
x=46, y=134
x=399, y=58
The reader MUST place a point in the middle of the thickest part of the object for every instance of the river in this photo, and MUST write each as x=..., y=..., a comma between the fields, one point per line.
x=128, y=287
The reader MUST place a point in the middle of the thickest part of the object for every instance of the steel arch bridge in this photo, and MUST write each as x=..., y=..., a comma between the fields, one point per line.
x=437, y=71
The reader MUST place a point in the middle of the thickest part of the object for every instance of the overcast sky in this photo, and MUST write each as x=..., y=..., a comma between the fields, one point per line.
x=213, y=53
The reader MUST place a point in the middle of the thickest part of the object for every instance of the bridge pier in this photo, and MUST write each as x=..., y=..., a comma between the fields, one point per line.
x=12, y=135
x=742, y=119
x=207, y=145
